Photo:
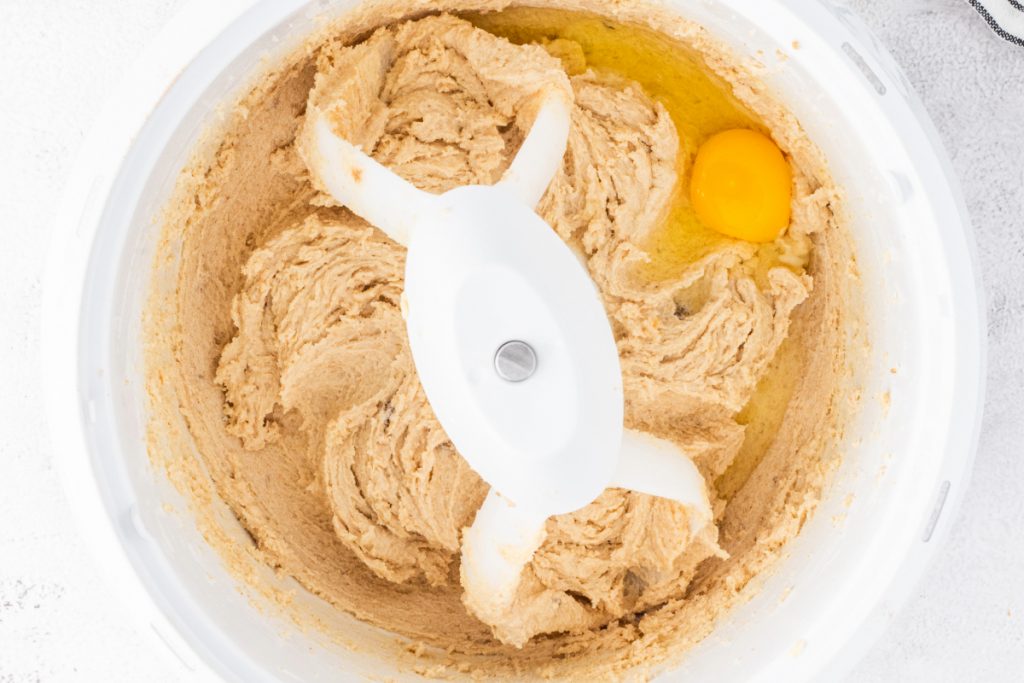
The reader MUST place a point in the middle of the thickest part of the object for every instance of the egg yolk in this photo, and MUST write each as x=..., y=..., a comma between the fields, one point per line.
x=741, y=185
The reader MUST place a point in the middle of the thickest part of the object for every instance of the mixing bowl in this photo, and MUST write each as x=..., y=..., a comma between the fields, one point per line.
x=906, y=460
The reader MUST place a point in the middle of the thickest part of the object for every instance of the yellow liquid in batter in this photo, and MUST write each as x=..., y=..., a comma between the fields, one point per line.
x=762, y=417
x=700, y=105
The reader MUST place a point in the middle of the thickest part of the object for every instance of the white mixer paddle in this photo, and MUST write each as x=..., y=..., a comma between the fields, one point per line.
x=513, y=348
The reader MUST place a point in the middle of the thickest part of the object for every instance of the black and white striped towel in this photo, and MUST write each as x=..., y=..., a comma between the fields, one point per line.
x=1006, y=17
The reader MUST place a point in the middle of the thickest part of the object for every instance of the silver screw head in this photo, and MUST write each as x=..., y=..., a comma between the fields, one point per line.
x=515, y=361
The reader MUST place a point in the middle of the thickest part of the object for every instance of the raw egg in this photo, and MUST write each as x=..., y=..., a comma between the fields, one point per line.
x=741, y=185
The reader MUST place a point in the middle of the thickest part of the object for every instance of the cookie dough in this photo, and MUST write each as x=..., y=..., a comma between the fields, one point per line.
x=283, y=346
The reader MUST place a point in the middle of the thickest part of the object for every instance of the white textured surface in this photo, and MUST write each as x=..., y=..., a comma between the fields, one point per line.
x=58, y=59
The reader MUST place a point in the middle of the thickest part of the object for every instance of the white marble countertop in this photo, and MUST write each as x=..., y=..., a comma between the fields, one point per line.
x=59, y=58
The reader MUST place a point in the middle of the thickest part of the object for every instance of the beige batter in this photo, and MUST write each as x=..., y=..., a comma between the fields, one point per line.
x=283, y=347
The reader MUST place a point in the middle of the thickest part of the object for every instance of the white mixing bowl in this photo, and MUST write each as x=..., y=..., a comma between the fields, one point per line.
x=906, y=466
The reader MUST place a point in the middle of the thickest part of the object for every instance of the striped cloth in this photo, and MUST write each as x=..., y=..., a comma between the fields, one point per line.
x=1006, y=17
